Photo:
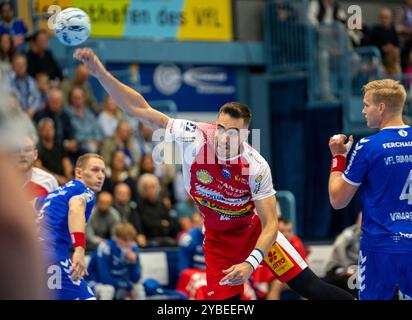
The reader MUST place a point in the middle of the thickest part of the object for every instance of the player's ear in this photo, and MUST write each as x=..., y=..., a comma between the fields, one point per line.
x=77, y=172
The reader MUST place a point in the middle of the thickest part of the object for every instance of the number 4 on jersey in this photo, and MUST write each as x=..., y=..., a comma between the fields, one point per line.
x=407, y=190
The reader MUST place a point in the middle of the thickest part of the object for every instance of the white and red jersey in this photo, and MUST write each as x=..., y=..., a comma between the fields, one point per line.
x=40, y=184
x=223, y=189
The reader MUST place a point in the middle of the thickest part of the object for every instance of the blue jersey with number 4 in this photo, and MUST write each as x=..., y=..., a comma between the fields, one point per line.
x=381, y=165
x=53, y=214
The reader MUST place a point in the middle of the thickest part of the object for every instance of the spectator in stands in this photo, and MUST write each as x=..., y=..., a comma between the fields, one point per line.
x=191, y=246
x=127, y=209
x=122, y=140
x=54, y=110
x=408, y=68
x=103, y=220
x=146, y=164
x=84, y=122
x=157, y=223
x=40, y=59
x=392, y=64
x=384, y=35
x=403, y=19
x=115, y=266
x=42, y=80
x=7, y=50
x=52, y=157
x=23, y=85
x=342, y=263
x=109, y=117
x=117, y=172
x=145, y=140
x=80, y=80
x=184, y=213
x=11, y=25
x=323, y=14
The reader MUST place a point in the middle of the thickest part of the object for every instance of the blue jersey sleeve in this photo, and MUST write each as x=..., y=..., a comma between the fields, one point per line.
x=135, y=268
x=358, y=164
x=186, y=252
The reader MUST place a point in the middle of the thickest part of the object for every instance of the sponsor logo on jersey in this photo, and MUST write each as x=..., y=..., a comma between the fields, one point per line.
x=190, y=127
x=185, y=139
x=259, y=179
x=278, y=261
x=398, y=144
x=226, y=173
x=224, y=185
x=405, y=235
x=223, y=211
x=401, y=216
x=216, y=196
x=204, y=176
x=403, y=133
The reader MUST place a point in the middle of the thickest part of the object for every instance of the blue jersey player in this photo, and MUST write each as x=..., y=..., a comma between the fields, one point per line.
x=62, y=217
x=381, y=168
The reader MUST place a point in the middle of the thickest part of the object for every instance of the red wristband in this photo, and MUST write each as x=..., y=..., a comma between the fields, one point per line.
x=338, y=163
x=79, y=239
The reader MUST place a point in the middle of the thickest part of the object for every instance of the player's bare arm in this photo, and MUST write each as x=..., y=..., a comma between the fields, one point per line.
x=77, y=225
x=266, y=209
x=129, y=100
x=340, y=191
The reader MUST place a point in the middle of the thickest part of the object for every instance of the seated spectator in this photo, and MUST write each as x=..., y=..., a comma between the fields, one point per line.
x=156, y=220
x=54, y=110
x=115, y=266
x=342, y=263
x=144, y=140
x=42, y=80
x=392, y=64
x=184, y=213
x=408, y=68
x=403, y=20
x=12, y=25
x=109, y=117
x=80, y=80
x=384, y=35
x=103, y=220
x=7, y=51
x=191, y=246
x=24, y=86
x=86, y=128
x=117, y=172
x=123, y=141
x=40, y=59
x=127, y=209
x=51, y=156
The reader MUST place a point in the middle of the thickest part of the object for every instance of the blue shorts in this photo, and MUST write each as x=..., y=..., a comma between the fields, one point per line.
x=384, y=276
x=60, y=286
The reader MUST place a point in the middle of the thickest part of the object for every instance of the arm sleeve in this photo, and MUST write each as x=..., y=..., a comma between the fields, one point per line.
x=261, y=185
x=177, y=130
x=358, y=166
x=135, y=268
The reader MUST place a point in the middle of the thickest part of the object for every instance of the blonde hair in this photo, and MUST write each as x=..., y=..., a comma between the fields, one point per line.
x=390, y=92
x=125, y=231
x=83, y=159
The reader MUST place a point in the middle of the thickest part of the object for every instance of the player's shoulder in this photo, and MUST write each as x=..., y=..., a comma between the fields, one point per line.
x=76, y=187
x=44, y=179
x=253, y=157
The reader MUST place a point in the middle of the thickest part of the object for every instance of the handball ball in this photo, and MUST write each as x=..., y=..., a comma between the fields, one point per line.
x=72, y=26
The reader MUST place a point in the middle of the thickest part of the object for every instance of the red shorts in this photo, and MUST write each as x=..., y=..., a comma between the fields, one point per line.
x=223, y=249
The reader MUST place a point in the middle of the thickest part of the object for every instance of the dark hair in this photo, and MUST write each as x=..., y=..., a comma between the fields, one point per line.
x=237, y=110
x=7, y=55
x=5, y=3
x=284, y=220
x=37, y=33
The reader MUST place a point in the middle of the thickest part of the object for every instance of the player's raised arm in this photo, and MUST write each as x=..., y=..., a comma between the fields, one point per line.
x=129, y=100
x=77, y=226
x=340, y=191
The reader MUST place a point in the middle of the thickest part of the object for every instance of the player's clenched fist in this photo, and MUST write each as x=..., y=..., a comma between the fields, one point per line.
x=338, y=146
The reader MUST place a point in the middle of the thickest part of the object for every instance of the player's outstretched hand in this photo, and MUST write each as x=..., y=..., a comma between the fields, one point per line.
x=90, y=60
x=338, y=146
x=78, y=268
x=237, y=274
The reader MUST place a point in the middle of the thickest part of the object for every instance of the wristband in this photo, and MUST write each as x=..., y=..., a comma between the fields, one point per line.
x=78, y=239
x=338, y=163
x=255, y=258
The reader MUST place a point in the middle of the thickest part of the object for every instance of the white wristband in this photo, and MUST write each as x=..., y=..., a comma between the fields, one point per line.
x=255, y=258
